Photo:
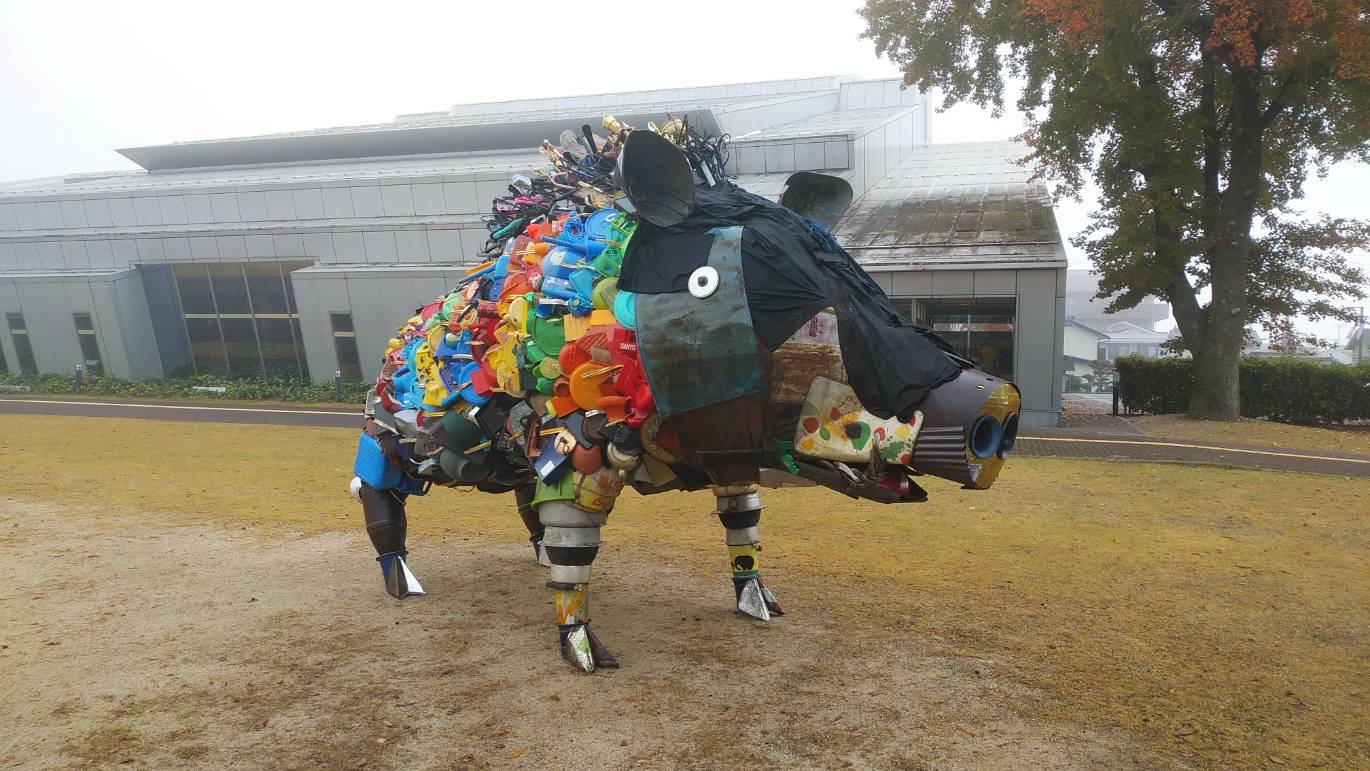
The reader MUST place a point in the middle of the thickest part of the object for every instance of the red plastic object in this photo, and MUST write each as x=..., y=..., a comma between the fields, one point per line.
x=571, y=356
x=622, y=345
x=481, y=383
x=629, y=376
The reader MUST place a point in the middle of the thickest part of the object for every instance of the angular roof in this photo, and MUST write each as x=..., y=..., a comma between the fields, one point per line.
x=966, y=203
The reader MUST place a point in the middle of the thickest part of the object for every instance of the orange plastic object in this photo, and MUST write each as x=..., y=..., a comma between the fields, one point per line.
x=587, y=384
x=562, y=402
x=587, y=460
x=615, y=408
x=599, y=317
x=481, y=267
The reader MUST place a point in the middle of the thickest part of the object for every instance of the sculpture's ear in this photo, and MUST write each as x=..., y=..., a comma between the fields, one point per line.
x=822, y=198
x=657, y=178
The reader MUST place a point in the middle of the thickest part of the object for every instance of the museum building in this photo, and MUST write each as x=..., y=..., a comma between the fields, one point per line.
x=300, y=253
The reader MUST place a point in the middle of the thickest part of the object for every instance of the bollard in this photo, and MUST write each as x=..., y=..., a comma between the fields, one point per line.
x=80, y=375
x=337, y=385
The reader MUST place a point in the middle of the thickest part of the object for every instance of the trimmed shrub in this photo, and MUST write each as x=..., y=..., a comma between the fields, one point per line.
x=1282, y=389
x=277, y=389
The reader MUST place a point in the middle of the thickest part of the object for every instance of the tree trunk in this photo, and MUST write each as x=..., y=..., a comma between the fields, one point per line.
x=1216, y=395
x=1217, y=359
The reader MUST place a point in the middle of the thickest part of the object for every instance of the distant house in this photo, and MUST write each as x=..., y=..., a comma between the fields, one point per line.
x=1358, y=344
x=1128, y=339
x=1082, y=350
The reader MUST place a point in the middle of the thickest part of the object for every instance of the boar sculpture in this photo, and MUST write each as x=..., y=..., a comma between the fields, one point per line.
x=642, y=321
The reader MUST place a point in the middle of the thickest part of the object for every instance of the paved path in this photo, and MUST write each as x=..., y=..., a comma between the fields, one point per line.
x=97, y=407
x=1091, y=443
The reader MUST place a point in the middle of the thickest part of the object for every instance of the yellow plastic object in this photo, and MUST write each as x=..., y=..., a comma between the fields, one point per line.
x=480, y=267
x=503, y=360
x=575, y=327
x=517, y=315
x=600, y=317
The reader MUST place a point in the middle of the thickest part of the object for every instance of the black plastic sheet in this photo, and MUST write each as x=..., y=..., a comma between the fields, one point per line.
x=793, y=269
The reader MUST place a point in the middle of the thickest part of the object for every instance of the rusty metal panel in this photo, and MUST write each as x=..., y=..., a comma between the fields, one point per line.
x=697, y=350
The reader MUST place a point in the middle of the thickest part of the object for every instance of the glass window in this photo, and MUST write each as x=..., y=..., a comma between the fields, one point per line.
x=279, y=352
x=90, y=346
x=206, y=346
x=4, y=365
x=266, y=287
x=241, y=319
x=230, y=288
x=192, y=284
x=982, y=327
x=23, y=349
x=345, y=344
x=240, y=345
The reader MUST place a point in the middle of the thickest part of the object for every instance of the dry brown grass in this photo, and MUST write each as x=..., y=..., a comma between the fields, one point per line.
x=1220, y=616
x=1265, y=433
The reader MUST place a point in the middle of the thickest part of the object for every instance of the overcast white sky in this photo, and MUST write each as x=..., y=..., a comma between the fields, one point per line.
x=78, y=79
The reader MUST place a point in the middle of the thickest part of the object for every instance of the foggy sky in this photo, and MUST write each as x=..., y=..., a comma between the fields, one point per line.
x=78, y=79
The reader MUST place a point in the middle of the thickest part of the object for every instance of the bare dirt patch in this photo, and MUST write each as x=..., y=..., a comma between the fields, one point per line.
x=134, y=642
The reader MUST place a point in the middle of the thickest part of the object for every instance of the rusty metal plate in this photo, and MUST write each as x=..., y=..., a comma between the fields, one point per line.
x=699, y=351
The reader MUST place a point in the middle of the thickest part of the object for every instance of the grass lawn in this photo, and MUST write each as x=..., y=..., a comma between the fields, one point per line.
x=1218, y=616
x=1354, y=440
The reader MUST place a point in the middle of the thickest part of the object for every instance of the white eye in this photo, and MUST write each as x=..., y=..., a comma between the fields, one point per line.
x=703, y=282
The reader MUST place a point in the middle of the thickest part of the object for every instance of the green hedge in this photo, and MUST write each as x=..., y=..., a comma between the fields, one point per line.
x=278, y=389
x=1287, y=390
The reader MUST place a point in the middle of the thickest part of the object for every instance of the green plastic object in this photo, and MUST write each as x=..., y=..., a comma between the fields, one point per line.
x=549, y=334
x=563, y=489
x=610, y=261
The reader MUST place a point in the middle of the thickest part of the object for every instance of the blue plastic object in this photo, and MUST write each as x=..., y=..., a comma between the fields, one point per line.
x=468, y=391
x=372, y=467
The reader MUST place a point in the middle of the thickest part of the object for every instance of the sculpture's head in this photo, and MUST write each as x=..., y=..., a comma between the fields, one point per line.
x=765, y=344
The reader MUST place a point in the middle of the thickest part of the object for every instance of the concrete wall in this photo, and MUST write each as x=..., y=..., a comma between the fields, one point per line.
x=1038, y=338
x=379, y=301
x=117, y=305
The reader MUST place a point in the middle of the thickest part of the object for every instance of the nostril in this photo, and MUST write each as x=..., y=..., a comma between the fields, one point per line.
x=985, y=436
x=1010, y=435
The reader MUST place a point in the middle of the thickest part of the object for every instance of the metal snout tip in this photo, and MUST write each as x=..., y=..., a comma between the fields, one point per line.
x=399, y=580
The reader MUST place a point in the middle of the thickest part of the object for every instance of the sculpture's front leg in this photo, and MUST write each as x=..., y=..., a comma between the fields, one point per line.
x=571, y=541
x=386, y=524
x=739, y=509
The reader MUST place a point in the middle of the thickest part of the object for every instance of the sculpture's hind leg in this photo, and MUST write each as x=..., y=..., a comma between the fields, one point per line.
x=571, y=540
x=386, y=525
x=739, y=509
x=523, y=495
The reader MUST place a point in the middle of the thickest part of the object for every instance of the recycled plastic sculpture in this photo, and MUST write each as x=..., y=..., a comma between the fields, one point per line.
x=642, y=321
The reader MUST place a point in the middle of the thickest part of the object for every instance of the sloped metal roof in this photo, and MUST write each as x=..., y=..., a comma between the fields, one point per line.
x=963, y=203
x=966, y=204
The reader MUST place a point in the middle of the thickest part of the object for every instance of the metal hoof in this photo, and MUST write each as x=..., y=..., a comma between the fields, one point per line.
x=575, y=648
x=602, y=655
x=581, y=647
x=751, y=600
x=772, y=605
x=399, y=581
